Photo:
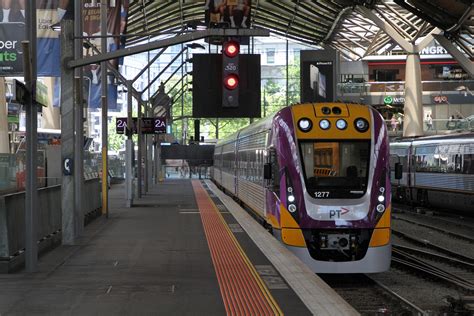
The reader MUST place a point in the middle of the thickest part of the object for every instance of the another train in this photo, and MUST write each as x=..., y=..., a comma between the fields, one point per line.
x=437, y=171
x=317, y=175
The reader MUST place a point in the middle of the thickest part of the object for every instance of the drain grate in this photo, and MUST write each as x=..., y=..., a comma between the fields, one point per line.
x=271, y=277
x=221, y=207
x=236, y=228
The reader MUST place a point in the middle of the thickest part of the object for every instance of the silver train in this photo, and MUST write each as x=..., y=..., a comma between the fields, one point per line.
x=435, y=171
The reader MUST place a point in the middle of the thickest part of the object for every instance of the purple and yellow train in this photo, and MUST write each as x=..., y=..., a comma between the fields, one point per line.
x=317, y=175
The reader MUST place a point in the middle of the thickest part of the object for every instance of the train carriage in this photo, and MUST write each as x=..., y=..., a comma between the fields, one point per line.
x=318, y=176
x=438, y=171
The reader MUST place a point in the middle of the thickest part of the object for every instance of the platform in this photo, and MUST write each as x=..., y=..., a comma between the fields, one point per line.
x=183, y=249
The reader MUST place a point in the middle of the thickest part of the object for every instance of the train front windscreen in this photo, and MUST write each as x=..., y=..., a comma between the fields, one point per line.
x=335, y=169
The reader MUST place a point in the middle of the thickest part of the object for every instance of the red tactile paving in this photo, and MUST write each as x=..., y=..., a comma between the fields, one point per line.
x=242, y=289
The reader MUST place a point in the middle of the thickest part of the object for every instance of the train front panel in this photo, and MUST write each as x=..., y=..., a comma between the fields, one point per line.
x=331, y=199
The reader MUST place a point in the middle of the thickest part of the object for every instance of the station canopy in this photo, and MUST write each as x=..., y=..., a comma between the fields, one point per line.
x=341, y=24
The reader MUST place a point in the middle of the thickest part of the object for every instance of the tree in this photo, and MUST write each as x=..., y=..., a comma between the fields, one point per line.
x=116, y=141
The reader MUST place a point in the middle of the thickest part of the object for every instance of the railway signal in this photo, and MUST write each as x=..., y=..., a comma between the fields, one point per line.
x=230, y=74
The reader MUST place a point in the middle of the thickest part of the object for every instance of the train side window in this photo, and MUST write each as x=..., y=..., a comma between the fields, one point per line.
x=468, y=167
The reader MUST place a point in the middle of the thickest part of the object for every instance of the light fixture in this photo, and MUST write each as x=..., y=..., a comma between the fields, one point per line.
x=336, y=110
x=292, y=208
x=380, y=208
x=326, y=110
x=324, y=124
x=341, y=124
x=361, y=124
x=305, y=124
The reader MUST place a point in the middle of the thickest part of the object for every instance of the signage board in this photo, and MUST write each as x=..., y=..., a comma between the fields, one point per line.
x=149, y=125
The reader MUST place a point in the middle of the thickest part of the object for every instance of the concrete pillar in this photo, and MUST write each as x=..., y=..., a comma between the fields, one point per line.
x=4, y=141
x=413, y=120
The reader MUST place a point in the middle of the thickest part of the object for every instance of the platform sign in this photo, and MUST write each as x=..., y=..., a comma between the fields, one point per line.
x=150, y=125
x=153, y=125
x=121, y=124
x=19, y=92
x=160, y=125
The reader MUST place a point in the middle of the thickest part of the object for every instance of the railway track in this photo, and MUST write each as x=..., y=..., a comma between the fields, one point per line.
x=437, y=228
x=370, y=297
x=428, y=244
x=417, y=261
x=441, y=217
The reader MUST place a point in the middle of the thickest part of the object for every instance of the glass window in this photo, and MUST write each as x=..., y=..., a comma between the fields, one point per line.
x=270, y=56
x=336, y=169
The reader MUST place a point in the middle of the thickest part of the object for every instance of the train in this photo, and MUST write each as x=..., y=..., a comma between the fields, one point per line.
x=436, y=171
x=317, y=176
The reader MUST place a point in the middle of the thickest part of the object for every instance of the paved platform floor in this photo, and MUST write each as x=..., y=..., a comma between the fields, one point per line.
x=151, y=259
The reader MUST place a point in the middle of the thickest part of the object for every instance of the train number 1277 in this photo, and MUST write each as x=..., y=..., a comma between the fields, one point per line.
x=321, y=194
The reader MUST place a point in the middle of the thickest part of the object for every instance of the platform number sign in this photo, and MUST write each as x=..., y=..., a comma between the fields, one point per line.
x=150, y=125
x=160, y=125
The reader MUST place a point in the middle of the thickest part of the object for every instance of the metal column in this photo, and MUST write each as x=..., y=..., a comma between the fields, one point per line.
x=78, y=121
x=103, y=71
x=140, y=151
x=31, y=218
x=129, y=148
x=67, y=135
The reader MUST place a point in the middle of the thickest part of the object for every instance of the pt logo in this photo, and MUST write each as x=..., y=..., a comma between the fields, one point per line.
x=338, y=213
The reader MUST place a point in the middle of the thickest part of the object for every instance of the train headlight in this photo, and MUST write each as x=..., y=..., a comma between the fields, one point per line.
x=292, y=208
x=380, y=208
x=289, y=189
x=361, y=124
x=291, y=198
x=341, y=124
x=305, y=124
x=324, y=124
x=381, y=198
x=325, y=110
x=336, y=110
x=382, y=189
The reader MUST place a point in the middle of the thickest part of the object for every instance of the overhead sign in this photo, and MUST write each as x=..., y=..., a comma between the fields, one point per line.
x=149, y=125
x=160, y=125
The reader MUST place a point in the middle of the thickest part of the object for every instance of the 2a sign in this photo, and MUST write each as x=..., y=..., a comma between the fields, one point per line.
x=149, y=125
x=121, y=125
x=160, y=125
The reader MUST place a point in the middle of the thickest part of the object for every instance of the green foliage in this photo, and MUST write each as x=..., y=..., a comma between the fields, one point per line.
x=116, y=141
x=274, y=90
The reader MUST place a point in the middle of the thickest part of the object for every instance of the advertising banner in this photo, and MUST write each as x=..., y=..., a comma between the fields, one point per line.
x=11, y=60
x=116, y=22
x=228, y=13
x=318, y=75
x=50, y=13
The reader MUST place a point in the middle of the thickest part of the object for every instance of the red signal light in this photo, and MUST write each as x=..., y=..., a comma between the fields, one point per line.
x=231, y=48
x=231, y=82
